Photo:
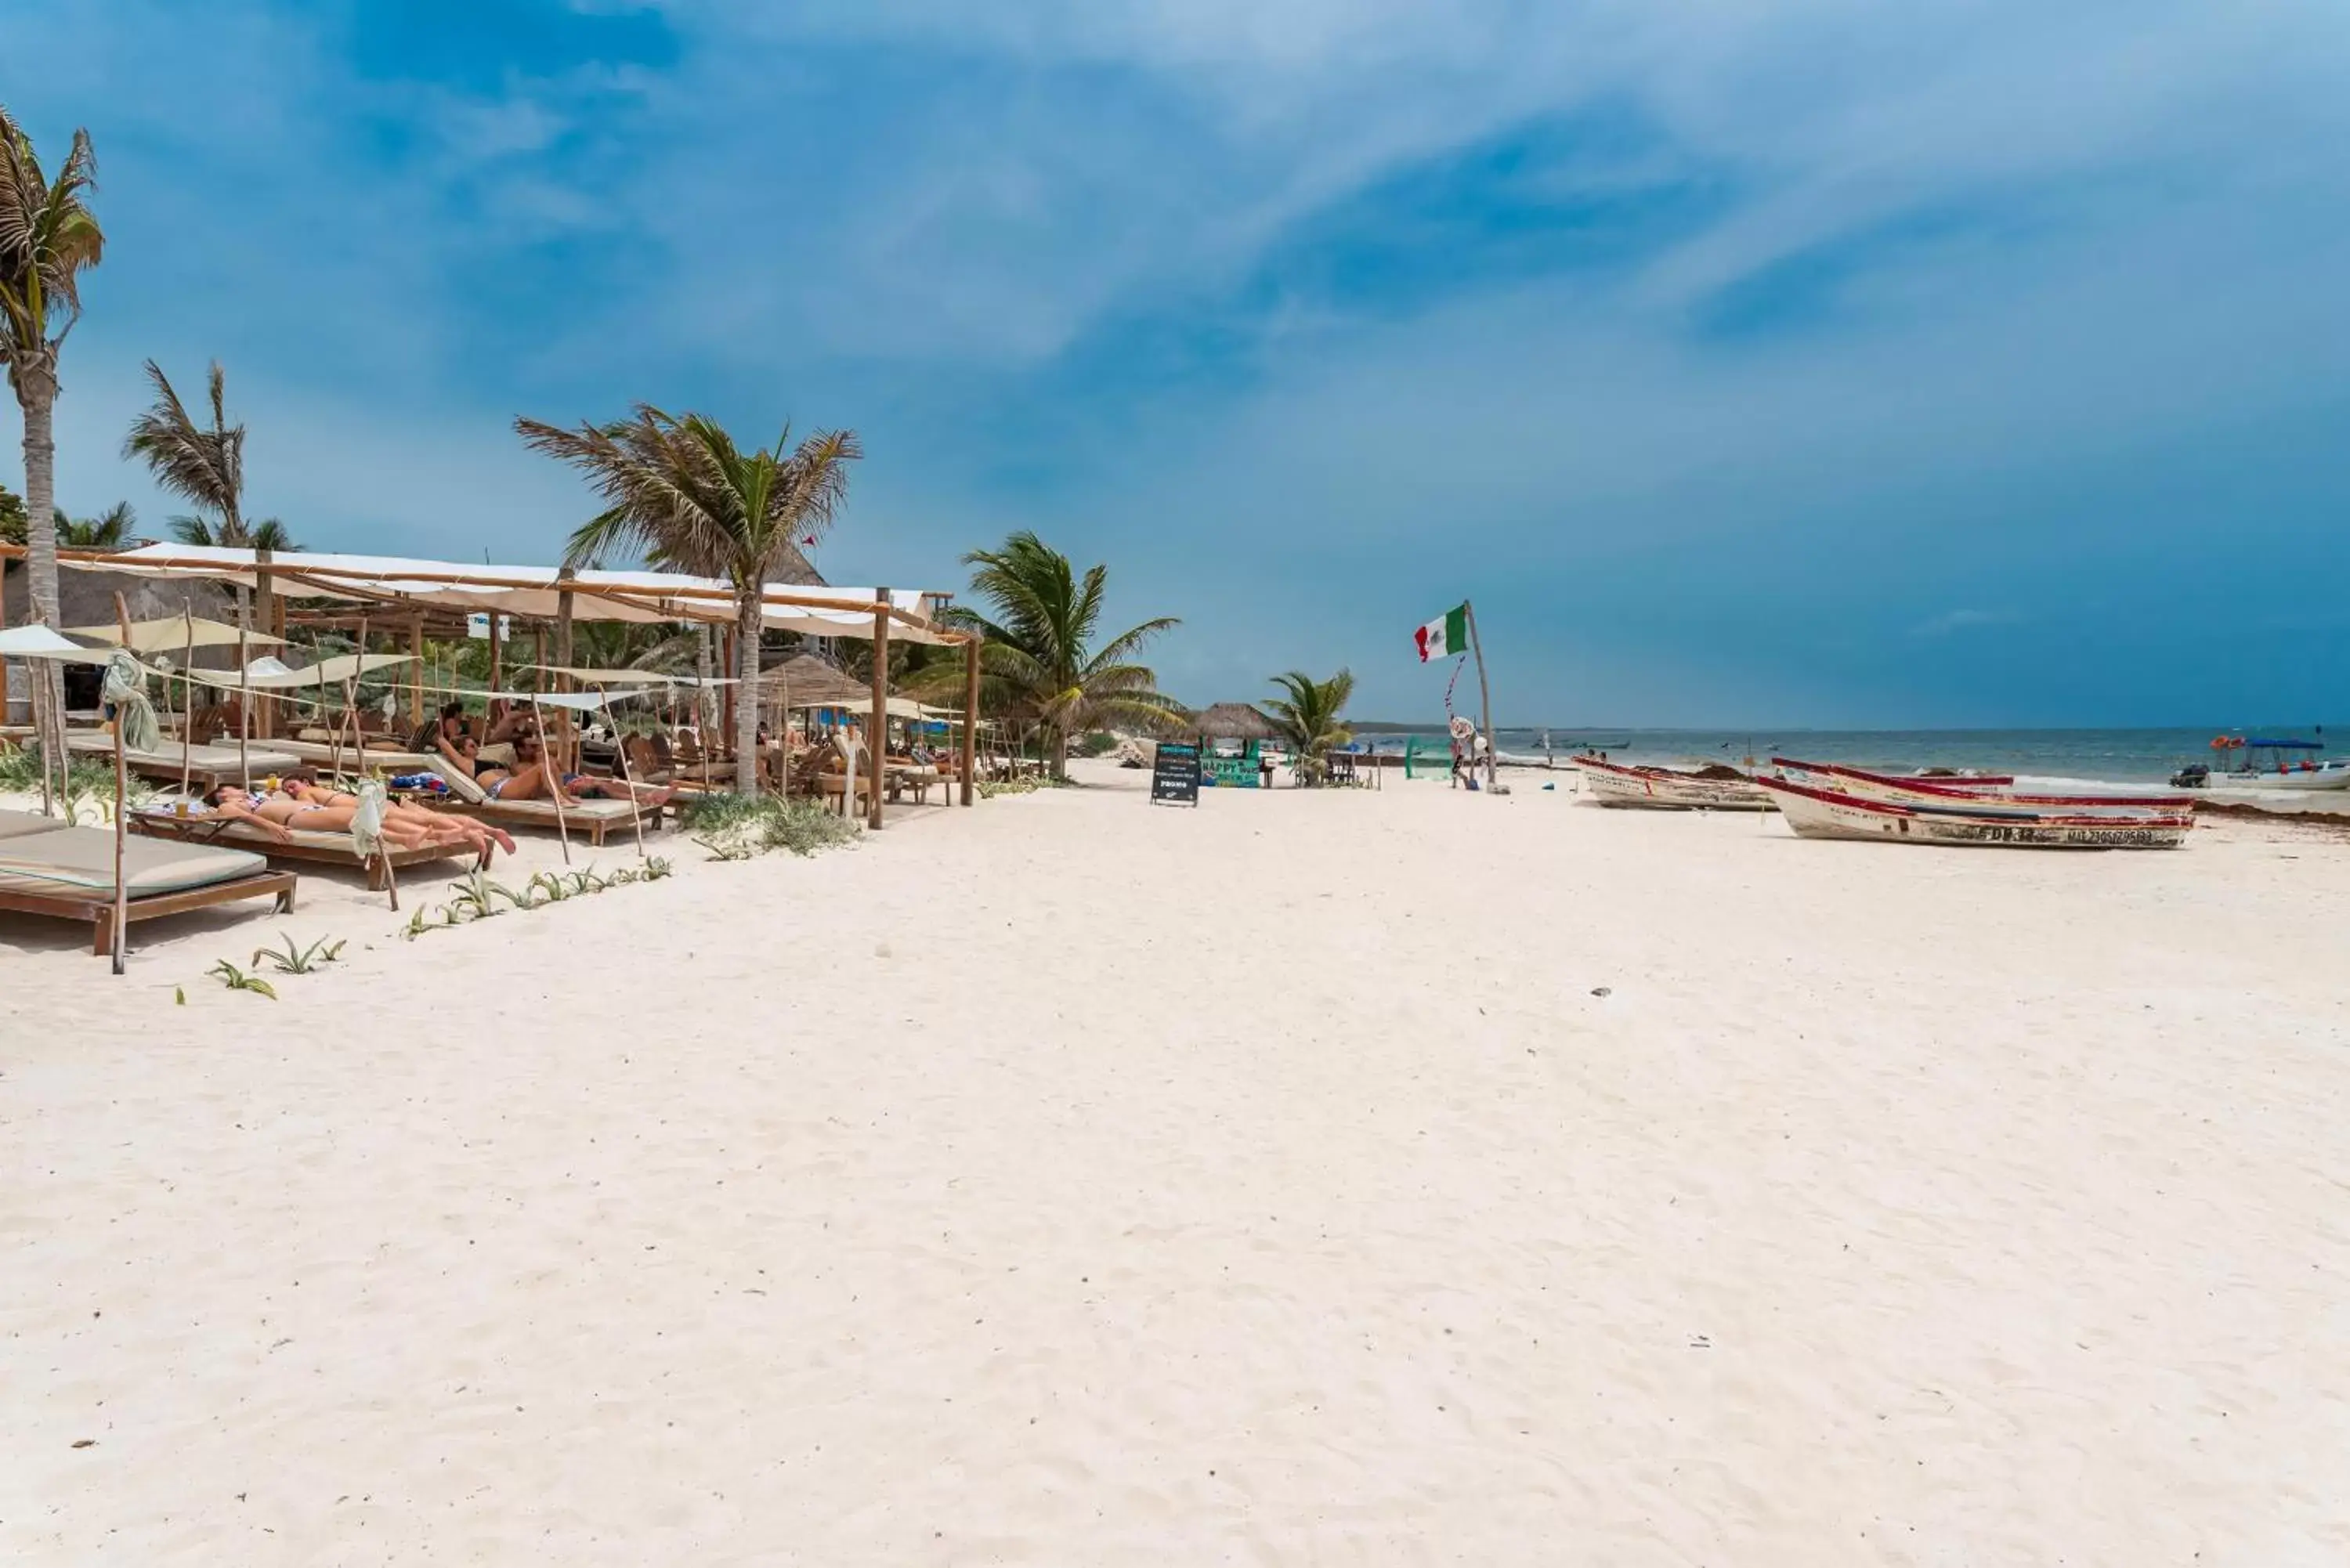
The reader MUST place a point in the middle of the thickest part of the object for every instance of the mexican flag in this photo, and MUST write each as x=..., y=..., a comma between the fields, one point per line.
x=1447, y=634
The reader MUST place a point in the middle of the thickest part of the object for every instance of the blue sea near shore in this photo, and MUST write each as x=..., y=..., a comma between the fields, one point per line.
x=2112, y=756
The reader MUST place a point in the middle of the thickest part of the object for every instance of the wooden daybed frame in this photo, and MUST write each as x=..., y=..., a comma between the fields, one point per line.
x=97, y=905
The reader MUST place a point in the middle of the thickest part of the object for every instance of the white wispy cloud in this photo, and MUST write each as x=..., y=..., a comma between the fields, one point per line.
x=1950, y=621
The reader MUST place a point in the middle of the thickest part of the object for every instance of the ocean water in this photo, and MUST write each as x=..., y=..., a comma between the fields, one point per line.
x=2112, y=756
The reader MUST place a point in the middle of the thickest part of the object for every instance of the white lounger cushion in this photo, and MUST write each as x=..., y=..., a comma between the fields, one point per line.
x=471, y=792
x=19, y=824
x=322, y=753
x=83, y=859
x=202, y=759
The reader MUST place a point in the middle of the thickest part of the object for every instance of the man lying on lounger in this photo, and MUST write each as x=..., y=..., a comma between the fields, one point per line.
x=310, y=808
x=528, y=781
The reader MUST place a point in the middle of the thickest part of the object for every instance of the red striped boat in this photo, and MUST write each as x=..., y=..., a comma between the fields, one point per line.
x=1982, y=821
x=1669, y=789
x=1993, y=788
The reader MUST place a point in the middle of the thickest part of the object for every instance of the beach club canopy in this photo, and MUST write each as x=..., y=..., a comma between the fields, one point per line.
x=897, y=707
x=40, y=642
x=534, y=592
x=273, y=675
x=176, y=635
x=588, y=676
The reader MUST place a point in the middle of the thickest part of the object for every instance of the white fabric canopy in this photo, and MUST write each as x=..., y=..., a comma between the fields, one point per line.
x=626, y=677
x=259, y=675
x=176, y=635
x=40, y=642
x=896, y=707
x=818, y=610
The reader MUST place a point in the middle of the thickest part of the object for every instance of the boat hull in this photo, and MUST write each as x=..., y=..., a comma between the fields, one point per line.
x=1662, y=789
x=1986, y=793
x=2334, y=775
x=1827, y=814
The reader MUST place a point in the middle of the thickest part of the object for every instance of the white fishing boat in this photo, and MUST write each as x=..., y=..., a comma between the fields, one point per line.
x=1942, y=789
x=1846, y=780
x=2239, y=762
x=2103, y=823
x=1670, y=789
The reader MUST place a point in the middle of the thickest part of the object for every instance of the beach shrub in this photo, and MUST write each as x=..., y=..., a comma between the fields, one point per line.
x=738, y=827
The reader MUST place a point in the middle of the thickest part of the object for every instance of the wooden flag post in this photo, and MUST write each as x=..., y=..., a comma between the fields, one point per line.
x=1484, y=696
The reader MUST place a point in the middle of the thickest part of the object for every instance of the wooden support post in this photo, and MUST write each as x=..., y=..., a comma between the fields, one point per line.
x=416, y=671
x=970, y=715
x=879, y=738
x=497, y=654
x=121, y=806
x=710, y=751
x=187, y=702
x=567, y=754
x=264, y=599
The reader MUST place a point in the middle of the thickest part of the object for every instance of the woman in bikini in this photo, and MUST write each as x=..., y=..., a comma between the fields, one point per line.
x=305, y=807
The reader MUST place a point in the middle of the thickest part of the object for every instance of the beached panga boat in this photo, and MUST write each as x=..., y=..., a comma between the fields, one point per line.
x=1992, y=822
x=1870, y=786
x=1985, y=789
x=1670, y=789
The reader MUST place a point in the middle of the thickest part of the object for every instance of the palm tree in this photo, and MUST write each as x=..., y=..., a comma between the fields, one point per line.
x=203, y=466
x=48, y=236
x=1038, y=662
x=269, y=534
x=680, y=490
x=1306, y=719
x=110, y=530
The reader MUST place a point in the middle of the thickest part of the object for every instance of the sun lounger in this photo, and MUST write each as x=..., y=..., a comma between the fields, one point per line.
x=210, y=766
x=386, y=757
x=315, y=848
x=52, y=868
x=593, y=818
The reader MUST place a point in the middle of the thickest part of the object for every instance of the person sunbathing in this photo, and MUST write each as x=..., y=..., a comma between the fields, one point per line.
x=300, y=807
x=530, y=782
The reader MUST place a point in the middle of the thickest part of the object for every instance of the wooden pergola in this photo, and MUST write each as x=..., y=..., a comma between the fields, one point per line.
x=431, y=593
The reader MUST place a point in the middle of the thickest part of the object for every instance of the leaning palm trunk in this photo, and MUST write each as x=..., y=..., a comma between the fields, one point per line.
x=36, y=390
x=751, y=618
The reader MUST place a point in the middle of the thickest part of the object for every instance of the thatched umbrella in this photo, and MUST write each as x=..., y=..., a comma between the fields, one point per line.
x=1233, y=721
x=803, y=678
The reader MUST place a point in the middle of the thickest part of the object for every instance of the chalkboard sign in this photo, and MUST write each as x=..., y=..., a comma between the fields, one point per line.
x=1175, y=774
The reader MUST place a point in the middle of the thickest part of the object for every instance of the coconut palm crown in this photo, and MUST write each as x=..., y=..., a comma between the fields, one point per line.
x=1039, y=661
x=679, y=490
x=1306, y=718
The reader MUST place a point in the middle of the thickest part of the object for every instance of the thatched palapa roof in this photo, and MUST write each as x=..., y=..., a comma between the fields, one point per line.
x=1233, y=721
x=805, y=678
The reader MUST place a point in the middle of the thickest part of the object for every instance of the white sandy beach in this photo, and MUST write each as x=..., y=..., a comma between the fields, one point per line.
x=1069, y=1180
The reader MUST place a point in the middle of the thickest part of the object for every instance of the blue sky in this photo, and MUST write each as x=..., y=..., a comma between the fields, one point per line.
x=1822, y=361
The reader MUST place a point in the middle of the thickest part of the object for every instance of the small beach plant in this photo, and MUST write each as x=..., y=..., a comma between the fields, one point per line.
x=236, y=978
x=293, y=959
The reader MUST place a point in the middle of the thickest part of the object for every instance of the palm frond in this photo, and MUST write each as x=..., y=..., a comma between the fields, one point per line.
x=206, y=467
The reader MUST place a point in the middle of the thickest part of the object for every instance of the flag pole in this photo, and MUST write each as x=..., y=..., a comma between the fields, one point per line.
x=1484, y=695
